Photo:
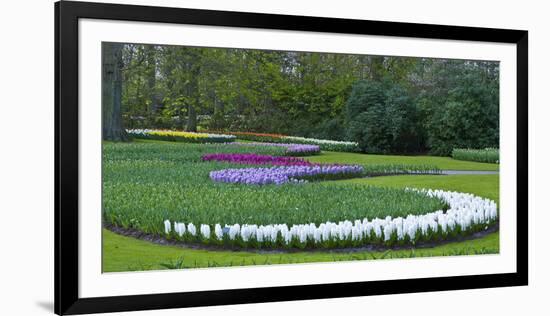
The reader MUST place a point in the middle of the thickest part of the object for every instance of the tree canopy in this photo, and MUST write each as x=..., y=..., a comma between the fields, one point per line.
x=387, y=104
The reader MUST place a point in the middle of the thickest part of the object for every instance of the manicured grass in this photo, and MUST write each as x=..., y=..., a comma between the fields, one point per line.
x=444, y=163
x=485, y=185
x=121, y=253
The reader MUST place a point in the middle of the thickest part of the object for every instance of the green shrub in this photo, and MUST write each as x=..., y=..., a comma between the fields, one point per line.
x=382, y=118
x=465, y=116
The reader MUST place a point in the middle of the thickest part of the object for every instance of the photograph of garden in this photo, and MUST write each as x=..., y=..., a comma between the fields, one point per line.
x=220, y=157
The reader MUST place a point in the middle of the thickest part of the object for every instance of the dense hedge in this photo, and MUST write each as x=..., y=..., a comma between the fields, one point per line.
x=385, y=117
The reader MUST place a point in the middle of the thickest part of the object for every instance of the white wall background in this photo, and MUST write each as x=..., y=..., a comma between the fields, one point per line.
x=26, y=158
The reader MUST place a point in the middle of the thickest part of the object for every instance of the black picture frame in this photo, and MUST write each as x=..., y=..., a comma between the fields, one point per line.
x=67, y=15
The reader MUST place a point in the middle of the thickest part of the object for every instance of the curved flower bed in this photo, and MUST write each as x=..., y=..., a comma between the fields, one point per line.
x=467, y=214
x=285, y=174
x=291, y=149
x=260, y=137
x=255, y=159
x=178, y=136
x=324, y=144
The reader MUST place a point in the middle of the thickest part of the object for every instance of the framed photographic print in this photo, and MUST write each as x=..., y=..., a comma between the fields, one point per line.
x=208, y=157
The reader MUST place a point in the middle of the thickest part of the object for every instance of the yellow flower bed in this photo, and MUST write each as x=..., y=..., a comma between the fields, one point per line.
x=178, y=134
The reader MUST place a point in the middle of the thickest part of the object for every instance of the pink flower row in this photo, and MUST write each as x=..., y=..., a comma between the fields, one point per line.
x=255, y=159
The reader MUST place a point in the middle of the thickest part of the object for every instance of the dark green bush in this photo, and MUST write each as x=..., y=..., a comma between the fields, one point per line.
x=382, y=118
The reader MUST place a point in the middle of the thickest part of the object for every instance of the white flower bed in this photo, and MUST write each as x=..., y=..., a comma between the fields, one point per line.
x=319, y=141
x=467, y=214
x=139, y=132
x=325, y=144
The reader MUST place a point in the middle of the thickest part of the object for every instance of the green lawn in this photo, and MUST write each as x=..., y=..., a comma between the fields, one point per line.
x=485, y=185
x=122, y=253
x=125, y=254
x=444, y=163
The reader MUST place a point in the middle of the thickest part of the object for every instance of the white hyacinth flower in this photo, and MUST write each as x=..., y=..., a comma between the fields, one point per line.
x=287, y=236
x=274, y=234
x=261, y=233
x=302, y=235
x=167, y=227
x=317, y=235
x=442, y=220
x=245, y=233
x=368, y=228
x=387, y=232
x=377, y=230
x=205, y=231
x=179, y=228
x=234, y=231
x=192, y=229
x=218, y=231
x=412, y=232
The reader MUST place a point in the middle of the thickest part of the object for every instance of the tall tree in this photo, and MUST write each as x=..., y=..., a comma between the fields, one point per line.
x=151, y=74
x=386, y=103
x=193, y=94
x=112, y=92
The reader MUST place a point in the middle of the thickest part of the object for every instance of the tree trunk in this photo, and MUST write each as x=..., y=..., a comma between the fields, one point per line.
x=112, y=92
x=219, y=107
x=377, y=67
x=194, y=96
x=152, y=79
x=191, y=118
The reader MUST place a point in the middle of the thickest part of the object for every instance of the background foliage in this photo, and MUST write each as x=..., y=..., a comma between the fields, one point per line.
x=387, y=104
